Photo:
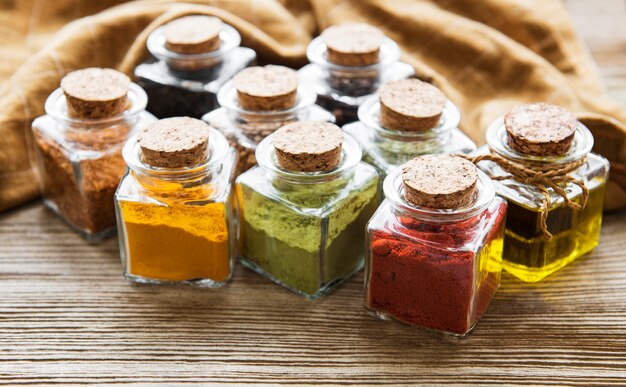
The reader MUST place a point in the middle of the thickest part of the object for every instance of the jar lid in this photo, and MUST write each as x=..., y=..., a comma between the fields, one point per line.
x=353, y=44
x=229, y=39
x=474, y=201
x=369, y=114
x=227, y=97
x=411, y=105
x=218, y=151
x=350, y=157
x=317, y=53
x=178, y=142
x=497, y=139
x=94, y=93
x=308, y=146
x=266, y=88
x=193, y=34
x=439, y=181
x=540, y=129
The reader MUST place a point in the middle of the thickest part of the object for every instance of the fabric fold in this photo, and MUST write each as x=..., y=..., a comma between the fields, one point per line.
x=486, y=56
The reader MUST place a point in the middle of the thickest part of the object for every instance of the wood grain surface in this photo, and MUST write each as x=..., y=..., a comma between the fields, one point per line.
x=68, y=316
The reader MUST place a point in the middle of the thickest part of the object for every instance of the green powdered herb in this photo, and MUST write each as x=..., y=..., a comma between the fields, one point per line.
x=306, y=237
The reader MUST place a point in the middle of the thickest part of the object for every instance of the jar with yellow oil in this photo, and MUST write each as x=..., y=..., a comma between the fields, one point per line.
x=174, y=206
x=540, y=158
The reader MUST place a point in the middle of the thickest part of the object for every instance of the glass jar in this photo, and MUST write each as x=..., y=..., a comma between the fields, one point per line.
x=387, y=149
x=434, y=268
x=305, y=230
x=187, y=84
x=342, y=89
x=80, y=161
x=244, y=128
x=176, y=225
x=528, y=255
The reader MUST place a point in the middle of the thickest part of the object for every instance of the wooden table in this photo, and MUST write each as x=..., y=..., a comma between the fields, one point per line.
x=68, y=316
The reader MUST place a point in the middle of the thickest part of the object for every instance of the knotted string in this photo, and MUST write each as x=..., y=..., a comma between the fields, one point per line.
x=541, y=177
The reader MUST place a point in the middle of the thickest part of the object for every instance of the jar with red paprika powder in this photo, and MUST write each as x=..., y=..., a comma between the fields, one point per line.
x=434, y=253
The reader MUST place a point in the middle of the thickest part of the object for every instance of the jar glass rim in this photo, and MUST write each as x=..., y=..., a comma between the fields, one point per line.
x=369, y=115
x=229, y=40
x=497, y=142
x=227, y=98
x=218, y=150
x=56, y=107
x=350, y=157
x=485, y=192
x=316, y=53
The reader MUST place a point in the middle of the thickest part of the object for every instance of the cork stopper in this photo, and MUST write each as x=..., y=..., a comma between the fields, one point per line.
x=308, y=146
x=266, y=88
x=353, y=44
x=194, y=34
x=439, y=181
x=540, y=129
x=176, y=142
x=95, y=92
x=410, y=105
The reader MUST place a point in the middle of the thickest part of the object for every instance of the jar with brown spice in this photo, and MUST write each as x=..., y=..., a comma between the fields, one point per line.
x=193, y=56
x=78, y=144
x=348, y=64
x=257, y=102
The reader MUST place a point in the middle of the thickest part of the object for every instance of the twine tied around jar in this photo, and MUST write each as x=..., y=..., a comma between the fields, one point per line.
x=542, y=178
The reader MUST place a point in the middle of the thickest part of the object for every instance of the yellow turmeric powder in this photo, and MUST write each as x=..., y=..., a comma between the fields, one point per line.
x=174, y=207
x=177, y=242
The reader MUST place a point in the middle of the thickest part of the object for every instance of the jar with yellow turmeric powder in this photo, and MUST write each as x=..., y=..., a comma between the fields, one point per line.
x=174, y=206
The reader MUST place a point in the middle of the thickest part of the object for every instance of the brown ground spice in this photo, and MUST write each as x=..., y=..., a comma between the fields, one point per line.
x=83, y=192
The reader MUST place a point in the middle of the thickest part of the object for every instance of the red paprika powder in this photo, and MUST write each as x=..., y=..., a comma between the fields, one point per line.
x=436, y=268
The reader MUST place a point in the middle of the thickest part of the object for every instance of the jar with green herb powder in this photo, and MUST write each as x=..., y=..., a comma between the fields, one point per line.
x=304, y=208
x=405, y=119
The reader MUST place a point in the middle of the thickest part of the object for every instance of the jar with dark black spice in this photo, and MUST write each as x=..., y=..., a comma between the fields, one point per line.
x=348, y=64
x=257, y=102
x=78, y=144
x=193, y=57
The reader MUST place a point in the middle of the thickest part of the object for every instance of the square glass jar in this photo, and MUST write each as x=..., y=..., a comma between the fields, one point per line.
x=387, y=149
x=342, y=89
x=177, y=225
x=244, y=128
x=187, y=84
x=80, y=161
x=528, y=254
x=301, y=230
x=431, y=268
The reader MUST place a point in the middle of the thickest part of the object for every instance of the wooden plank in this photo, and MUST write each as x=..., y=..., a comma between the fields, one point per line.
x=68, y=316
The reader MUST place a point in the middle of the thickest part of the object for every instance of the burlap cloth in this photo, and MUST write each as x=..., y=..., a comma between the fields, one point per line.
x=485, y=55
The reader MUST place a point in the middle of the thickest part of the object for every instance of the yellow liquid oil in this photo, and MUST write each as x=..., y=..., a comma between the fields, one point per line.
x=529, y=256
